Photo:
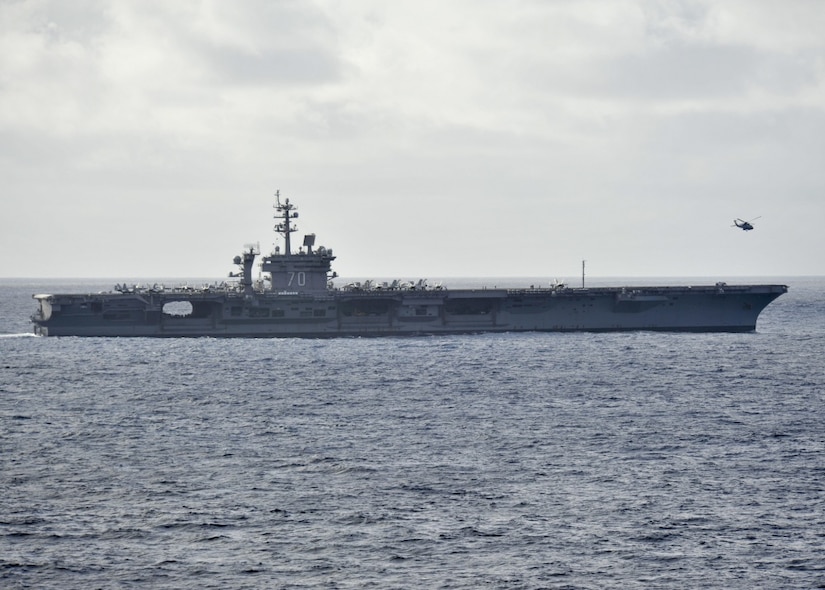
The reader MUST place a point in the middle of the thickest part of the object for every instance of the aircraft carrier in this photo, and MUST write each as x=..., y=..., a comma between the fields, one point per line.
x=296, y=297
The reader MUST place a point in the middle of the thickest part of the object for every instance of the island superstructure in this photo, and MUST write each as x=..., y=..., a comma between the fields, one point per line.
x=296, y=297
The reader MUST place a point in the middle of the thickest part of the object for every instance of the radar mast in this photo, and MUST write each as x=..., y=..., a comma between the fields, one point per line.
x=286, y=212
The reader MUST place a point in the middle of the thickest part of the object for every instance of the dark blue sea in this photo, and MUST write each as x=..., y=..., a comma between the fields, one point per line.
x=629, y=460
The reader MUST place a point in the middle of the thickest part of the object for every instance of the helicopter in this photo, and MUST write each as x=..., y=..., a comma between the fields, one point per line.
x=744, y=225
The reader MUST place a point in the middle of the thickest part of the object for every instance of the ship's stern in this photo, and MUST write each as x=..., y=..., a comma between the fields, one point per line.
x=42, y=315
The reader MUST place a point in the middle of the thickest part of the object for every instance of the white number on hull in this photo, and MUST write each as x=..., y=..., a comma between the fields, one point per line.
x=300, y=276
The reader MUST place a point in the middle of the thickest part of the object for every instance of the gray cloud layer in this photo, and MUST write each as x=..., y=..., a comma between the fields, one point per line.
x=423, y=138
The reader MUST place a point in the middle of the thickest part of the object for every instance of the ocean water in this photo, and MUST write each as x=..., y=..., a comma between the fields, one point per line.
x=630, y=460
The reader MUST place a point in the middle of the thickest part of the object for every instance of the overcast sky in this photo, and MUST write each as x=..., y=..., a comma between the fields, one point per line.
x=420, y=138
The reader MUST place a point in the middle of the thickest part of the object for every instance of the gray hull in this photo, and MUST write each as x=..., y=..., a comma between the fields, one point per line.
x=342, y=313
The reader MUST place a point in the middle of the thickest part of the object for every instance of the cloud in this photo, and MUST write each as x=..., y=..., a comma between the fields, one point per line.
x=605, y=126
